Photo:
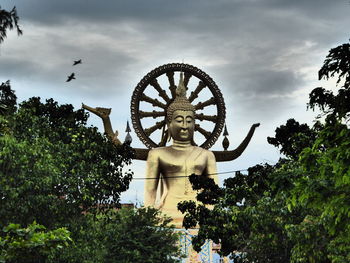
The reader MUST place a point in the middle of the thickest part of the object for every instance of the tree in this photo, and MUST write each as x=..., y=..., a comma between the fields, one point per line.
x=126, y=235
x=337, y=63
x=31, y=244
x=53, y=167
x=249, y=215
x=298, y=209
x=293, y=138
x=8, y=20
x=8, y=99
x=324, y=186
x=140, y=235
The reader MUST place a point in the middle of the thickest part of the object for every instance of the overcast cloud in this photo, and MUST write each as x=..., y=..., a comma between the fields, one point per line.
x=264, y=56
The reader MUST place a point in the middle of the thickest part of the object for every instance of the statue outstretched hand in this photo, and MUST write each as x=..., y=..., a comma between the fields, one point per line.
x=104, y=113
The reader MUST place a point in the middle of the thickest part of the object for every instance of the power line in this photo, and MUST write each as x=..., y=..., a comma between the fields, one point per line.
x=181, y=176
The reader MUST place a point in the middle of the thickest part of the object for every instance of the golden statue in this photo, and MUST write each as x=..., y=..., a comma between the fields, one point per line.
x=168, y=167
x=173, y=163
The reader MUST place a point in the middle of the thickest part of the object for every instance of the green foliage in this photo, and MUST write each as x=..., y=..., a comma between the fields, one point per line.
x=331, y=105
x=31, y=244
x=293, y=138
x=127, y=235
x=337, y=64
x=88, y=242
x=249, y=217
x=140, y=235
x=310, y=240
x=8, y=20
x=60, y=173
x=53, y=167
x=8, y=99
x=324, y=187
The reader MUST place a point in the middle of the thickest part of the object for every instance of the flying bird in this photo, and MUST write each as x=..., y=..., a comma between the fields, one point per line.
x=70, y=77
x=76, y=62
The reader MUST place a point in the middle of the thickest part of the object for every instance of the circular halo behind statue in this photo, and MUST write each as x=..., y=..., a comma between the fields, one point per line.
x=150, y=83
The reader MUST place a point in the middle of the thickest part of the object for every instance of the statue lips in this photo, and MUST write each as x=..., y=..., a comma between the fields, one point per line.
x=184, y=134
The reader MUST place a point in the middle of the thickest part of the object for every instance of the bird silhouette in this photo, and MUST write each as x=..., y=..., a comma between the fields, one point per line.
x=70, y=77
x=76, y=62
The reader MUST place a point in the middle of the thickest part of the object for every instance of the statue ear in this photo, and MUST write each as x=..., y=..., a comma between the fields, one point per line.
x=168, y=134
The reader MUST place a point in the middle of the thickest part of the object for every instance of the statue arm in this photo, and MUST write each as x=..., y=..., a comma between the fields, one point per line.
x=224, y=156
x=211, y=170
x=152, y=178
x=103, y=113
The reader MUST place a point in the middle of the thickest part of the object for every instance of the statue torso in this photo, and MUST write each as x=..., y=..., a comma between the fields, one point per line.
x=176, y=164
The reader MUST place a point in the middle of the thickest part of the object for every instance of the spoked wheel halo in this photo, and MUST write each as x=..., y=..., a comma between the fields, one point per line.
x=150, y=100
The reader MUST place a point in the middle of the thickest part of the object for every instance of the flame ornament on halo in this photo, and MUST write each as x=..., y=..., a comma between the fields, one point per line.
x=181, y=89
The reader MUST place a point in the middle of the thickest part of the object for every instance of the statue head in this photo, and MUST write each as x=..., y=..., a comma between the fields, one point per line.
x=180, y=115
x=180, y=102
x=181, y=127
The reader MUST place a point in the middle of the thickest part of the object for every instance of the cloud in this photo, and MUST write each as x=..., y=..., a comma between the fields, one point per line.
x=259, y=52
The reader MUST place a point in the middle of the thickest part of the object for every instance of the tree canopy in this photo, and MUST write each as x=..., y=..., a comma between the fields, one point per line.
x=53, y=166
x=126, y=235
x=31, y=244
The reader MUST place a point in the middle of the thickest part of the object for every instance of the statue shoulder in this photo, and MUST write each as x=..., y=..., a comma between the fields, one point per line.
x=160, y=149
x=205, y=152
x=155, y=152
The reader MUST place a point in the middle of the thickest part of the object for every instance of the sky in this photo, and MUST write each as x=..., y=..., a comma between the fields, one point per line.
x=264, y=55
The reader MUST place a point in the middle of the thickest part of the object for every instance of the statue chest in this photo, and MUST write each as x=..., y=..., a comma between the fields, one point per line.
x=182, y=163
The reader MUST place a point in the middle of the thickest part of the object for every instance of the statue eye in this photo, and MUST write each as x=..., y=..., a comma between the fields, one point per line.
x=179, y=119
x=189, y=120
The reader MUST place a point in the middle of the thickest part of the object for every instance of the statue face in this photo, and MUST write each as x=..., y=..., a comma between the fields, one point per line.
x=181, y=126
